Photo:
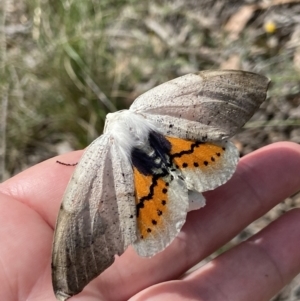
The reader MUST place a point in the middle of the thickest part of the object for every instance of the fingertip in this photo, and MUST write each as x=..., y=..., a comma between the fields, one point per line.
x=41, y=187
x=286, y=149
x=281, y=240
x=272, y=168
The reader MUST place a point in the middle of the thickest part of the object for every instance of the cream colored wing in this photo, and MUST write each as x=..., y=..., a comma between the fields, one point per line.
x=208, y=106
x=88, y=231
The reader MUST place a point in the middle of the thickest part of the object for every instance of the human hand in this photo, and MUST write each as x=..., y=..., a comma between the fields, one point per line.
x=254, y=270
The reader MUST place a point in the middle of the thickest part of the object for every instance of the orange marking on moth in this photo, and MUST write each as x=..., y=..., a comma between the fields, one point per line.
x=155, y=202
x=142, y=184
x=200, y=155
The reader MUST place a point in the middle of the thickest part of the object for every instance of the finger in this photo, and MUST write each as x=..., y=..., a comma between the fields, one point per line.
x=24, y=253
x=41, y=187
x=253, y=271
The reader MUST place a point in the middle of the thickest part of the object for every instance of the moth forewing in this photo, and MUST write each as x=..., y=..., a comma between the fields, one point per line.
x=125, y=194
x=231, y=97
x=88, y=233
x=209, y=106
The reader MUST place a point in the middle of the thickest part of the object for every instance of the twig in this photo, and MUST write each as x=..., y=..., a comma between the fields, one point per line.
x=3, y=119
x=3, y=89
x=2, y=38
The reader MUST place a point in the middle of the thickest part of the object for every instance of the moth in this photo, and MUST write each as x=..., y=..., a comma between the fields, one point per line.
x=135, y=183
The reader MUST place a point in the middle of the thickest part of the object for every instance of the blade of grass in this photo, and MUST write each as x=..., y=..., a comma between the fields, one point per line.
x=3, y=89
x=89, y=81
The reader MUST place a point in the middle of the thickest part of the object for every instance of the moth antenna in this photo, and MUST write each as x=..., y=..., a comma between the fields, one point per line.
x=66, y=164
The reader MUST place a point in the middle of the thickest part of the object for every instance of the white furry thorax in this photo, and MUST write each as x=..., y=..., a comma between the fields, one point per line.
x=128, y=130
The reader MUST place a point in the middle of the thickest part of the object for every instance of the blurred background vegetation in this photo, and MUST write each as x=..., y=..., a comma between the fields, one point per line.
x=65, y=64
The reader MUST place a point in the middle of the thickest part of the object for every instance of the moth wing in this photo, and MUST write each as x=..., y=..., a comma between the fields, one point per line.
x=196, y=200
x=162, y=214
x=210, y=105
x=203, y=165
x=88, y=231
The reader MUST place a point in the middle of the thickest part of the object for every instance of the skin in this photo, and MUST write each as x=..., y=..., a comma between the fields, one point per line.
x=254, y=270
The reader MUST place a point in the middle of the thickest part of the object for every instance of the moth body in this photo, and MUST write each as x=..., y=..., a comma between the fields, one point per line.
x=128, y=130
